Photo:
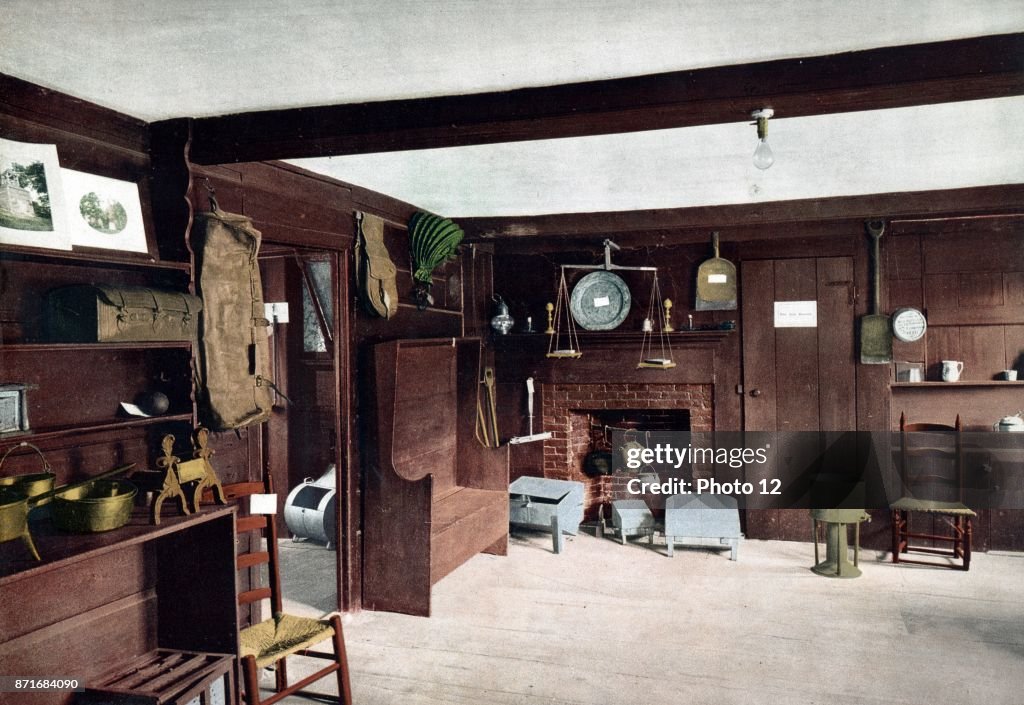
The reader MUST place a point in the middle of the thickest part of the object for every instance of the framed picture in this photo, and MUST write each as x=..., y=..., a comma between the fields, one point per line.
x=31, y=198
x=103, y=212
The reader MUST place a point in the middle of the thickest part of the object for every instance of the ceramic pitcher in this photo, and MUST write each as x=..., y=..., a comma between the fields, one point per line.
x=951, y=370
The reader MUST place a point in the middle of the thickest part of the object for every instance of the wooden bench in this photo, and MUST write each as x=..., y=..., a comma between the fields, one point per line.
x=434, y=496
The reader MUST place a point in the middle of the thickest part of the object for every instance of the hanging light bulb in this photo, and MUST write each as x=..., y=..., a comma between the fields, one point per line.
x=763, y=156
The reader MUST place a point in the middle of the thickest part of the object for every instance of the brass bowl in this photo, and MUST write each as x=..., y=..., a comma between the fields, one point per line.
x=31, y=484
x=13, y=513
x=101, y=505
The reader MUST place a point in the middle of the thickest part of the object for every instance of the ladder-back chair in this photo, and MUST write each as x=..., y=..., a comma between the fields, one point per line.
x=932, y=474
x=272, y=640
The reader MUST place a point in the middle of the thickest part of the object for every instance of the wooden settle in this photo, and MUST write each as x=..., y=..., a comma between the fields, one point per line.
x=434, y=496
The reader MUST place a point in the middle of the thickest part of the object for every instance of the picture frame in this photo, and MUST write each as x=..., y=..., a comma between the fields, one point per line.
x=32, y=212
x=13, y=409
x=103, y=213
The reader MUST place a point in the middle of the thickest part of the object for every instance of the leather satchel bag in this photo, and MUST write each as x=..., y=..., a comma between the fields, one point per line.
x=376, y=272
x=234, y=354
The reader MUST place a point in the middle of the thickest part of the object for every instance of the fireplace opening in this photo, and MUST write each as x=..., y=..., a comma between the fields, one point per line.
x=593, y=434
x=643, y=419
x=643, y=426
x=583, y=417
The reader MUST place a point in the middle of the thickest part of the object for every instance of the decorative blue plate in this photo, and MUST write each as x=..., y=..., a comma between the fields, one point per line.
x=600, y=301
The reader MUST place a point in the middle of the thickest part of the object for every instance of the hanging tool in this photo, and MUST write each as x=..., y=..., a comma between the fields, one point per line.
x=529, y=414
x=492, y=407
x=480, y=432
x=487, y=414
x=716, y=282
x=875, y=333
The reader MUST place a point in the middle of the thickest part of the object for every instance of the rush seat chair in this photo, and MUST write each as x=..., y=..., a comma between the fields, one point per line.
x=931, y=465
x=282, y=635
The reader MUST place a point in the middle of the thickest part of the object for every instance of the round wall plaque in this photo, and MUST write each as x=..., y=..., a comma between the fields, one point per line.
x=908, y=324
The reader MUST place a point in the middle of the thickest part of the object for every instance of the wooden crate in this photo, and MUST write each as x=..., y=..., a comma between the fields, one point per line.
x=166, y=677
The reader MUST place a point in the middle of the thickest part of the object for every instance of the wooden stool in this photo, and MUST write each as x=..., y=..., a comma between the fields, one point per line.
x=836, y=564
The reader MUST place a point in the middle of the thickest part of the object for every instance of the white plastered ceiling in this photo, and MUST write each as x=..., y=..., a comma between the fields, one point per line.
x=171, y=58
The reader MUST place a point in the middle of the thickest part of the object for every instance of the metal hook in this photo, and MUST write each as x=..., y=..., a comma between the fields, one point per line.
x=211, y=193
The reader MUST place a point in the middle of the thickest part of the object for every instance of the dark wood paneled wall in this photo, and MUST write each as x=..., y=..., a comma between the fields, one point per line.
x=96, y=140
x=964, y=272
x=295, y=208
x=968, y=277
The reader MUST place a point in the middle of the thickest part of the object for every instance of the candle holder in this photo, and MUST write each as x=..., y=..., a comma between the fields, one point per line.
x=668, y=316
x=550, y=308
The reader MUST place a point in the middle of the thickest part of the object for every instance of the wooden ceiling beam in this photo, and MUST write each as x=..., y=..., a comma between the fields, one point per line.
x=749, y=221
x=889, y=77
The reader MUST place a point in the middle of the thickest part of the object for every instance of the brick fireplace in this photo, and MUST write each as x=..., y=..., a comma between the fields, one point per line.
x=572, y=412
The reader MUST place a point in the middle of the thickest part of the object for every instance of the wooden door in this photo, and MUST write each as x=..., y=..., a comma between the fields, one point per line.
x=797, y=378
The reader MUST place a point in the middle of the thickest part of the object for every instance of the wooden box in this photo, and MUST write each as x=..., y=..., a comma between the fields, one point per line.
x=542, y=503
x=632, y=517
x=702, y=516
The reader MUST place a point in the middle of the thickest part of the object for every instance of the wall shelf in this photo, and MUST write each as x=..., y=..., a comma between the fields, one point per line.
x=52, y=347
x=76, y=387
x=98, y=427
x=954, y=385
x=598, y=338
x=80, y=258
x=58, y=549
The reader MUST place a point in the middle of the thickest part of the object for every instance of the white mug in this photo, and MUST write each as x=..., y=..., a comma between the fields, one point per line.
x=1010, y=375
x=951, y=370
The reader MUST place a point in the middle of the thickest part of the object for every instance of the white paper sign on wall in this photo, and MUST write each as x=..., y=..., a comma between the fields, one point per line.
x=796, y=314
x=263, y=504
x=276, y=312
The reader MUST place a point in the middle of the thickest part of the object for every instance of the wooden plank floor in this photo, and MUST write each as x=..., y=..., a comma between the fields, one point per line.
x=604, y=623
